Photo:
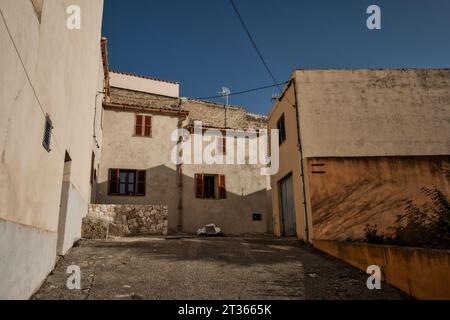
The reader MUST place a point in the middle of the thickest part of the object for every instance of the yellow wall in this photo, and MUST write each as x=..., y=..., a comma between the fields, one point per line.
x=349, y=193
x=422, y=273
x=289, y=162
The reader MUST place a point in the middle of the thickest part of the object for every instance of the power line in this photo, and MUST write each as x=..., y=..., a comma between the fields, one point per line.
x=245, y=91
x=254, y=45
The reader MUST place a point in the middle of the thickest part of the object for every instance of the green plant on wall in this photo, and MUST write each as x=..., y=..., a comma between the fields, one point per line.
x=427, y=225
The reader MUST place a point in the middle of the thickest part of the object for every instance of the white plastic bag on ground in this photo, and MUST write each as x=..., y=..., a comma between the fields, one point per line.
x=209, y=230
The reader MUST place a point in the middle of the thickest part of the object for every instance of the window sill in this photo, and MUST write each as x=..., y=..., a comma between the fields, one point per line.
x=125, y=196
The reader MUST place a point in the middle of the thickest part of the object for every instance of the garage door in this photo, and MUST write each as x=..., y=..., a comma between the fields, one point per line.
x=287, y=206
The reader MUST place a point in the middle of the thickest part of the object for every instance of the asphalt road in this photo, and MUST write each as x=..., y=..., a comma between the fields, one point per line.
x=207, y=268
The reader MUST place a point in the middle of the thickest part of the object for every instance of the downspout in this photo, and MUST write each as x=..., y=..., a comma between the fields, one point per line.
x=95, y=119
x=180, y=169
x=300, y=153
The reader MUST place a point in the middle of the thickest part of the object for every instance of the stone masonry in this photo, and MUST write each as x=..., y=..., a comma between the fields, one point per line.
x=124, y=220
x=211, y=114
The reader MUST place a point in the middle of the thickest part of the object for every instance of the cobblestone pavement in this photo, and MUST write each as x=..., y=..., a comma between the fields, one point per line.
x=207, y=268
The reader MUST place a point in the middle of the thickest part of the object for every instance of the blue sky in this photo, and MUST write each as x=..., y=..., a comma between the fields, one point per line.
x=201, y=44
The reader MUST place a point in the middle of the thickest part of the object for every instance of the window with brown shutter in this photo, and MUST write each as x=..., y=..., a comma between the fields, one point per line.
x=113, y=180
x=210, y=186
x=143, y=126
x=222, y=187
x=148, y=126
x=141, y=183
x=138, y=128
x=126, y=182
x=221, y=146
x=281, y=126
x=199, y=186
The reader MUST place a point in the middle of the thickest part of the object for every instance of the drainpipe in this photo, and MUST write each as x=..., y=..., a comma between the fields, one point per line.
x=180, y=170
x=95, y=118
x=300, y=153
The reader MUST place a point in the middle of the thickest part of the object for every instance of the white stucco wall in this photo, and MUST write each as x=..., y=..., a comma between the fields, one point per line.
x=147, y=85
x=59, y=78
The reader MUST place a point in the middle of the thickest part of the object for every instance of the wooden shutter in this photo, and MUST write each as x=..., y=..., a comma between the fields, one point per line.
x=141, y=179
x=138, y=127
x=199, y=190
x=113, y=181
x=148, y=127
x=221, y=145
x=222, y=187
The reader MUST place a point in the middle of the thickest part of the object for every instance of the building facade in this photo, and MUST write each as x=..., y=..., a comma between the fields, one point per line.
x=356, y=146
x=48, y=86
x=141, y=116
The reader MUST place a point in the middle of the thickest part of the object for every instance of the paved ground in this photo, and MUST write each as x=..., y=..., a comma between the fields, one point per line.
x=212, y=268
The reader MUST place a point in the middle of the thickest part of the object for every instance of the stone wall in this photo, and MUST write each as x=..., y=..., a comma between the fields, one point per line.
x=124, y=220
x=210, y=113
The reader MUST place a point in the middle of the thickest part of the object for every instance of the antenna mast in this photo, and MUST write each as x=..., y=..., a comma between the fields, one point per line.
x=225, y=93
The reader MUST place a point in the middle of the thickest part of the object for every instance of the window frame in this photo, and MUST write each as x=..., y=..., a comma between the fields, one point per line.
x=145, y=125
x=138, y=182
x=281, y=126
x=209, y=191
x=220, y=191
x=221, y=145
x=48, y=131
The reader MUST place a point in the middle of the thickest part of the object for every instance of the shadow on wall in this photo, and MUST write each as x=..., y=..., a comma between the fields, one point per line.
x=233, y=214
x=354, y=193
x=348, y=211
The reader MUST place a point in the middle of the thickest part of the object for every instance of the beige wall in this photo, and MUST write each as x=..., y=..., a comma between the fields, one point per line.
x=347, y=113
x=122, y=150
x=289, y=163
x=247, y=193
x=247, y=189
x=349, y=193
x=58, y=77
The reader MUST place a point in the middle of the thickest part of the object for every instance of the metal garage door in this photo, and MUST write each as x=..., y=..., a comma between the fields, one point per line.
x=287, y=206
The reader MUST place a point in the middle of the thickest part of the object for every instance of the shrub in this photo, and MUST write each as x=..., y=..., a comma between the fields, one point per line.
x=427, y=225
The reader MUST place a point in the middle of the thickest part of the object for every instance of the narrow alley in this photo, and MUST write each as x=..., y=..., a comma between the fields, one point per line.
x=247, y=268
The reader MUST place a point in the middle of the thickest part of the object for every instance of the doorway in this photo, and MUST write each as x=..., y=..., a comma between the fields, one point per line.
x=62, y=219
x=287, y=206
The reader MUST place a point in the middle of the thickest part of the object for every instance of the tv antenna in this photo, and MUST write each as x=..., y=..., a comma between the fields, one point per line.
x=274, y=97
x=226, y=94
